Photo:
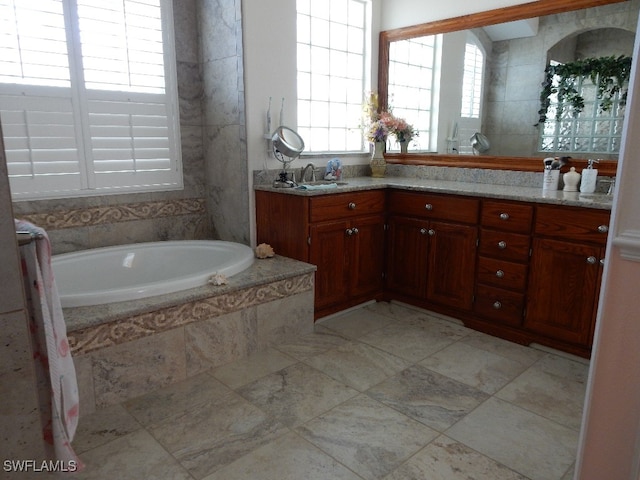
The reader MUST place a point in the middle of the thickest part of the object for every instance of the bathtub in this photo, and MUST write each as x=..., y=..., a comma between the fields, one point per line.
x=130, y=272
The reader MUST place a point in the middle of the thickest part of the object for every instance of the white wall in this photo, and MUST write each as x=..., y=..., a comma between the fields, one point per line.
x=403, y=13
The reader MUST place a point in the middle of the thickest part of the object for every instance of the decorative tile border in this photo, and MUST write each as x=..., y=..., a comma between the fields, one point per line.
x=138, y=326
x=85, y=217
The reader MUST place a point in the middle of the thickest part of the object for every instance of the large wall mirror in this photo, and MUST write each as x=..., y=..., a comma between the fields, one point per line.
x=513, y=46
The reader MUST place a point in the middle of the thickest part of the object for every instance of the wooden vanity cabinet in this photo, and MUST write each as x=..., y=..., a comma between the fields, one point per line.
x=342, y=234
x=503, y=258
x=566, y=271
x=431, y=248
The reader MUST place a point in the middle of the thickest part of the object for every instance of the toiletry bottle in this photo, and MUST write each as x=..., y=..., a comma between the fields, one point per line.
x=571, y=180
x=589, y=177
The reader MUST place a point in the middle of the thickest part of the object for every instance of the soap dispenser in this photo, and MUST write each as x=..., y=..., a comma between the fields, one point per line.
x=571, y=180
x=589, y=177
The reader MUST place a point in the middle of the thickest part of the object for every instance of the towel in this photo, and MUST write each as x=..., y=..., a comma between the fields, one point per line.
x=321, y=186
x=57, y=385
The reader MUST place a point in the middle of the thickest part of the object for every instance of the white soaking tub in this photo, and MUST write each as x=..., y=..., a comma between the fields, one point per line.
x=130, y=272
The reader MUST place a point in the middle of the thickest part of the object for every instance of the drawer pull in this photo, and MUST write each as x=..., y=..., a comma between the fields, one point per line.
x=504, y=216
x=423, y=231
x=500, y=274
x=431, y=232
x=355, y=230
x=592, y=260
x=497, y=305
x=349, y=231
x=352, y=206
x=428, y=206
x=502, y=244
x=603, y=228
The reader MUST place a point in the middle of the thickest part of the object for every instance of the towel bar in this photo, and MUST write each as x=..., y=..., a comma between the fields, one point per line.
x=25, y=238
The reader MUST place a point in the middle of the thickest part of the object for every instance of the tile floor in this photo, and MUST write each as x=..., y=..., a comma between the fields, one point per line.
x=381, y=392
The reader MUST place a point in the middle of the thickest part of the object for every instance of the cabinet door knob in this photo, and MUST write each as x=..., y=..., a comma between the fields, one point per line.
x=497, y=305
x=431, y=232
x=355, y=230
x=349, y=231
x=352, y=206
x=500, y=274
x=502, y=244
x=428, y=206
x=592, y=260
x=504, y=216
x=603, y=228
x=423, y=231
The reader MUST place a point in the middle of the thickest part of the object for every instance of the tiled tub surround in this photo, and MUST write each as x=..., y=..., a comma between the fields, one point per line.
x=127, y=349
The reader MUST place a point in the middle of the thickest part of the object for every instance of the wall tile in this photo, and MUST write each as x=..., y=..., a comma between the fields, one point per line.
x=138, y=367
x=220, y=340
x=185, y=21
x=217, y=29
x=285, y=319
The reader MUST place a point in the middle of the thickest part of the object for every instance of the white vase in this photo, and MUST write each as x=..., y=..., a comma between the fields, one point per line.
x=378, y=163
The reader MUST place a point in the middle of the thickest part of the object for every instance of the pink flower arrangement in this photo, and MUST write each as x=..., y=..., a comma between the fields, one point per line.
x=378, y=125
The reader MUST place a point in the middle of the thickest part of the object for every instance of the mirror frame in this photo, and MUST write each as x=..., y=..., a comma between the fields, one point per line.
x=481, y=19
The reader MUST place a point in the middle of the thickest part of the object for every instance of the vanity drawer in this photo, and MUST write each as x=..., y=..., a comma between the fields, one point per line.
x=428, y=205
x=507, y=216
x=502, y=274
x=345, y=205
x=573, y=223
x=500, y=305
x=504, y=245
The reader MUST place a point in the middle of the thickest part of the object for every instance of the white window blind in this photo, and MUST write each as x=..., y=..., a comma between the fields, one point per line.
x=88, y=97
x=472, y=81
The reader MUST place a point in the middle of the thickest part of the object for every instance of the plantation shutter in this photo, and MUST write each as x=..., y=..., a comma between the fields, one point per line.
x=113, y=125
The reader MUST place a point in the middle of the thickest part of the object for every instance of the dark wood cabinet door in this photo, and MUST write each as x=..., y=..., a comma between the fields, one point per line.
x=366, y=255
x=452, y=253
x=329, y=245
x=563, y=288
x=407, y=256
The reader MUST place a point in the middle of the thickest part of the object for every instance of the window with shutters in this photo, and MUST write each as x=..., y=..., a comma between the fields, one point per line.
x=472, y=81
x=88, y=97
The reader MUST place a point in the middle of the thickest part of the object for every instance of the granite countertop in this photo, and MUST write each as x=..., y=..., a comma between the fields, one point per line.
x=486, y=190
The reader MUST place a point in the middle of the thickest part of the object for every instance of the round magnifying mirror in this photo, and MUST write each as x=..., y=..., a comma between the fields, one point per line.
x=480, y=142
x=287, y=142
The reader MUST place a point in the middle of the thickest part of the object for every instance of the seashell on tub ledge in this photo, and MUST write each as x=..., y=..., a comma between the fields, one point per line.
x=264, y=250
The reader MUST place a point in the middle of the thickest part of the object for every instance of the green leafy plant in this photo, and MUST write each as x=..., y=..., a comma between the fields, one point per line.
x=609, y=74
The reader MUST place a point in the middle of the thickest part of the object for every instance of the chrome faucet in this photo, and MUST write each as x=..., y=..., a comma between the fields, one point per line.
x=303, y=172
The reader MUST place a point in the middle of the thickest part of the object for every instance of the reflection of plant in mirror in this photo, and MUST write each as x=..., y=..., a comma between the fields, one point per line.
x=609, y=74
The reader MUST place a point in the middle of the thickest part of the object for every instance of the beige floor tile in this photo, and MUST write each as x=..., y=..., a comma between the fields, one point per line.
x=416, y=340
x=103, y=426
x=312, y=344
x=476, y=367
x=212, y=435
x=427, y=396
x=237, y=374
x=296, y=394
x=554, y=387
x=287, y=458
x=519, y=353
x=366, y=436
x=175, y=399
x=446, y=459
x=354, y=324
x=135, y=456
x=358, y=365
x=521, y=440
